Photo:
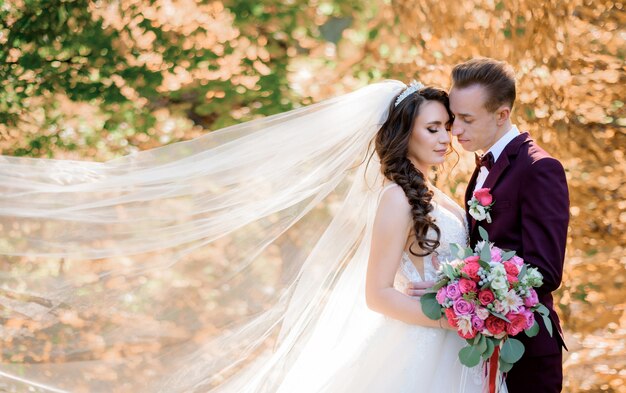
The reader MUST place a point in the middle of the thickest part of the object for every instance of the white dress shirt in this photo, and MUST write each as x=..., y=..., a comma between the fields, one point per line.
x=496, y=150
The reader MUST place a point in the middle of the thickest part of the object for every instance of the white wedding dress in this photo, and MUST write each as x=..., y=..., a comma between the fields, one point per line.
x=383, y=355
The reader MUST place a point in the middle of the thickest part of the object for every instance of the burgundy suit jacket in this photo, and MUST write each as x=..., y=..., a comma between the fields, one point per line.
x=530, y=215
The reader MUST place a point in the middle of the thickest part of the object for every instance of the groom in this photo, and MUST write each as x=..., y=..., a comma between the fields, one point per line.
x=531, y=210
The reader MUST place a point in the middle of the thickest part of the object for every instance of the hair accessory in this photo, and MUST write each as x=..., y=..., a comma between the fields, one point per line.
x=413, y=87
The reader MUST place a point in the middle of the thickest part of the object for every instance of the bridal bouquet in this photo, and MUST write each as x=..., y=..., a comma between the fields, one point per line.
x=487, y=294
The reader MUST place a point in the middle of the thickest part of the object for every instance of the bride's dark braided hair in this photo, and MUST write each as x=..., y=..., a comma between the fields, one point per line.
x=392, y=145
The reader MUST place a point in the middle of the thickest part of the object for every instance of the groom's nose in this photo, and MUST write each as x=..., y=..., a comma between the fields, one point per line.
x=456, y=129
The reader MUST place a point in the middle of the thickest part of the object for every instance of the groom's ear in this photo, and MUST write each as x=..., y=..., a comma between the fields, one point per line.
x=503, y=114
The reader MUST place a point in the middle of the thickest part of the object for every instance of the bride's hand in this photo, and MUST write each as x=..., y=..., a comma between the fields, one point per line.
x=418, y=288
x=443, y=322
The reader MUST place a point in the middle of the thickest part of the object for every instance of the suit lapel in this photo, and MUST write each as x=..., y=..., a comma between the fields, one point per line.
x=498, y=169
x=496, y=172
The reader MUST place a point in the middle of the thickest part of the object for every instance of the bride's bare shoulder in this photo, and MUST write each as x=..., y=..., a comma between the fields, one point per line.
x=393, y=200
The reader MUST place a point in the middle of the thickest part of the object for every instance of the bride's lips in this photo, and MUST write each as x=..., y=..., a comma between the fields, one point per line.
x=442, y=152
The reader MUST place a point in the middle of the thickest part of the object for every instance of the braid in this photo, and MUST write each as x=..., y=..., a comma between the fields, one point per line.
x=413, y=183
x=391, y=144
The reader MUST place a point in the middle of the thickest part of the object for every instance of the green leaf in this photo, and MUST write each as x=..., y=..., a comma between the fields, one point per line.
x=481, y=346
x=533, y=330
x=508, y=255
x=441, y=283
x=483, y=234
x=548, y=323
x=485, y=253
x=448, y=270
x=469, y=356
x=430, y=306
x=543, y=310
x=472, y=341
x=512, y=350
x=468, y=252
x=505, y=367
x=455, y=250
x=490, y=347
x=522, y=272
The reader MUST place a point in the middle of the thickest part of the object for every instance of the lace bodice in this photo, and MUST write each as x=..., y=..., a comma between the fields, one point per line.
x=453, y=230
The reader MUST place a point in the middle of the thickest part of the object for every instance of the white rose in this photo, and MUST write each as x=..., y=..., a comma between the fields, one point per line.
x=478, y=212
x=497, y=269
x=534, y=273
x=499, y=283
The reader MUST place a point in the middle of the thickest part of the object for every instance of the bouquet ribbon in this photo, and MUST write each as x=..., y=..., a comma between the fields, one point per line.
x=493, y=370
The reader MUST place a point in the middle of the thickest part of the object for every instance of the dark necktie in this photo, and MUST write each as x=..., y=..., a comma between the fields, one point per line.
x=485, y=160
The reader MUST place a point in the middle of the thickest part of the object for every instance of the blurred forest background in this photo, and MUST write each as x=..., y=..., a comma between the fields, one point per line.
x=93, y=80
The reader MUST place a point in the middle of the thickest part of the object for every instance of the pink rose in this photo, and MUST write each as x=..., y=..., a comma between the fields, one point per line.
x=482, y=312
x=496, y=254
x=483, y=196
x=451, y=317
x=498, y=306
x=466, y=285
x=477, y=323
x=463, y=307
x=472, y=259
x=471, y=269
x=518, y=323
x=511, y=279
x=453, y=291
x=532, y=299
x=530, y=318
x=511, y=268
x=485, y=297
x=441, y=295
x=517, y=261
x=495, y=325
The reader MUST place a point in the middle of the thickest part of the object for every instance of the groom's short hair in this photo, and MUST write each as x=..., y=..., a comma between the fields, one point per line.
x=497, y=77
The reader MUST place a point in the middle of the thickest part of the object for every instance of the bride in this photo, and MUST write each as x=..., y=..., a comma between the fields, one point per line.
x=338, y=319
x=399, y=350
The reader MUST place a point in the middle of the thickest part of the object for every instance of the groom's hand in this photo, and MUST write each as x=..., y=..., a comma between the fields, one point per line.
x=418, y=288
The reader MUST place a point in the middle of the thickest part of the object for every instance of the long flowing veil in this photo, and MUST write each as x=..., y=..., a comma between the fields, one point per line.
x=199, y=266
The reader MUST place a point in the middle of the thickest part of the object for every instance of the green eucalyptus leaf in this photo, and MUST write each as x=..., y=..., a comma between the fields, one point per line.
x=490, y=347
x=505, y=367
x=483, y=234
x=481, y=345
x=533, y=330
x=448, y=270
x=522, y=272
x=455, y=250
x=512, y=350
x=441, y=283
x=430, y=306
x=543, y=310
x=548, y=323
x=485, y=253
x=508, y=255
x=469, y=356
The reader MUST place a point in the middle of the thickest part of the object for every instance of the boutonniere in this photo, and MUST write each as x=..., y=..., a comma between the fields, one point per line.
x=480, y=205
